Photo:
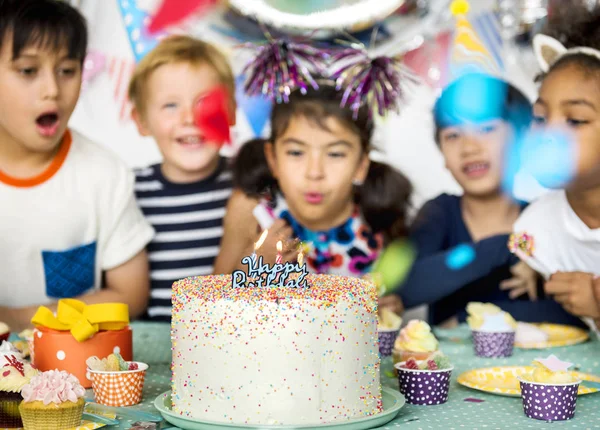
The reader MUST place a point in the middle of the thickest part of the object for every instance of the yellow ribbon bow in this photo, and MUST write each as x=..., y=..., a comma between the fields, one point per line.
x=83, y=321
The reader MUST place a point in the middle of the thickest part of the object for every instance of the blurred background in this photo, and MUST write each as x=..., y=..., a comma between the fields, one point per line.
x=420, y=29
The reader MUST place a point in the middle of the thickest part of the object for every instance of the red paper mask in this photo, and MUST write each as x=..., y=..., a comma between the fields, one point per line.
x=211, y=116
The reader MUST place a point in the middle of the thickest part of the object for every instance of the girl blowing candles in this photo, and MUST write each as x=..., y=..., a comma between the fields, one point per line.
x=320, y=188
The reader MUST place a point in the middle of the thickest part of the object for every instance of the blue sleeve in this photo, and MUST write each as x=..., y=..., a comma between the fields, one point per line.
x=430, y=278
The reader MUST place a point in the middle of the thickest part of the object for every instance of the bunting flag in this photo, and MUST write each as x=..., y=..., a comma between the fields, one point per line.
x=120, y=71
x=136, y=22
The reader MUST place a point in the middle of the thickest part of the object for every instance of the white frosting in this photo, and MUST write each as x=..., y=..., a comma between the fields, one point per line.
x=495, y=323
x=296, y=361
x=528, y=333
x=7, y=349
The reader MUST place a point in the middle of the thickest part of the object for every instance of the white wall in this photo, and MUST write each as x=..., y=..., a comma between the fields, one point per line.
x=407, y=139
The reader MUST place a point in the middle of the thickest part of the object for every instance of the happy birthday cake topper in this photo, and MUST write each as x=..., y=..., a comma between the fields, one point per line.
x=260, y=274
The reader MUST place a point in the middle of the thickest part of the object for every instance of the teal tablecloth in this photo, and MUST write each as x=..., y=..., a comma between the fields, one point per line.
x=152, y=345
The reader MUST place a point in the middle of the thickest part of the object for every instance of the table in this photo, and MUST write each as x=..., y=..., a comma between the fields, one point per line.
x=152, y=345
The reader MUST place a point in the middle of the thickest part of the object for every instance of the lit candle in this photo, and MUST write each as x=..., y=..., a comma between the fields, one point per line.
x=279, y=259
x=259, y=243
x=300, y=257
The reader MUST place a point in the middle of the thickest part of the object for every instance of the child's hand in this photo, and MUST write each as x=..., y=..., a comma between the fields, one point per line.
x=393, y=302
x=575, y=292
x=279, y=231
x=524, y=280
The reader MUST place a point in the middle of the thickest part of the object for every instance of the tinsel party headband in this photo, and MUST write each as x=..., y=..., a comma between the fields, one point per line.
x=281, y=66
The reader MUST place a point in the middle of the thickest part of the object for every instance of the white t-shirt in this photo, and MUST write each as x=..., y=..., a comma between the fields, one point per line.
x=562, y=241
x=61, y=230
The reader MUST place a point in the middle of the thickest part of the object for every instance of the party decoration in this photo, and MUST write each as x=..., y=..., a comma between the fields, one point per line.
x=469, y=54
x=375, y=82
x=260, y=274
x=393, y=265
x=281, y=65
x=431, y=60
x=173, y=11
x=549, y=50
x=460, y=257
x=93, y=65
x=136, y=21
x=322, y=16
x=257, y=109
x=211, y=116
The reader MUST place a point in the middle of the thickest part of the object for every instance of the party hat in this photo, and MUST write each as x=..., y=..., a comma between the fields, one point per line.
x=469, y=54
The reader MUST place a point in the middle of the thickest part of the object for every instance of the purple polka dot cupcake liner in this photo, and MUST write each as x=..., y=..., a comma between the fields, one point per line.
x=386, y=341
x=493, y=344
x=549, y=402
x=424, y=387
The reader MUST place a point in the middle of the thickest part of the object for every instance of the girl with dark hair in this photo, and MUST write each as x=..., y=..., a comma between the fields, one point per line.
x=314, y=178
x=565, y=223
x=461, y=241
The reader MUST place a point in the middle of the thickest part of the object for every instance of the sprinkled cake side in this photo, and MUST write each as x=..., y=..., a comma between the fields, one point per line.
x=275, y=355
x=324, y=288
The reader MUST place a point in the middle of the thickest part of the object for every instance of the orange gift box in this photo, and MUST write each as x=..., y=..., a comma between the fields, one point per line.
x=78, y=331
x=59, y=350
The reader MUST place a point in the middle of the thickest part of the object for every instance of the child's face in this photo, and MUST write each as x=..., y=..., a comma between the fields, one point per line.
x=38, y=92
x=315, y=169
x=168, y=117
x=474, y=155
x=570, y=100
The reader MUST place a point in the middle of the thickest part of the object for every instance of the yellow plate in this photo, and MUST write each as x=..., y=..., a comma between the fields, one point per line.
x=559, y=335
x=503, y=380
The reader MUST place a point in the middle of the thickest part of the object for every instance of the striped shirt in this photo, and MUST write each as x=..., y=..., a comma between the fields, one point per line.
x=188, y=220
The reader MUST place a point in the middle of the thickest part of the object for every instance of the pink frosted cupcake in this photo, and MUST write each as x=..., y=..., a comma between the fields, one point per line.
x=53, y=400
x=14, y=374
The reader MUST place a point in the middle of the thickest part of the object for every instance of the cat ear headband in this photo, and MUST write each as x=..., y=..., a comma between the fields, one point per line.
x=549, y=50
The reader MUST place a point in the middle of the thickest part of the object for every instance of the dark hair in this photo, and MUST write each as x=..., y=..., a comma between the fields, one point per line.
x=575, y=25
x=478, y=97
x=384, y=196
x=251, y=172
x=50, y=24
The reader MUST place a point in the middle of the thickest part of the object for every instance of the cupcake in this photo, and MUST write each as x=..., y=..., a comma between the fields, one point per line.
x=493, y=330
x=425, y=382
x=116, y=382
x=549, y=392
x=25, y=344
x=52, y=400
x=14, y=374
x=530, y=334
x=4, y=331
x=388, y=327
x=415, y=341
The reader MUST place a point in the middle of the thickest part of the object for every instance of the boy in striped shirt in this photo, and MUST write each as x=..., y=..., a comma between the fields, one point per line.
x=184, y=197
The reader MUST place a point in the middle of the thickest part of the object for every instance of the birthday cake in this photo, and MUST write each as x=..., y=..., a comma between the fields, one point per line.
x=275, y=355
